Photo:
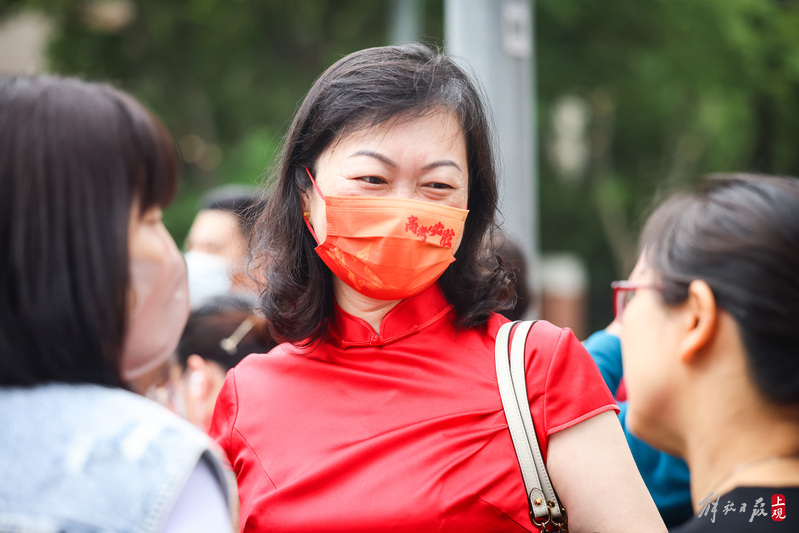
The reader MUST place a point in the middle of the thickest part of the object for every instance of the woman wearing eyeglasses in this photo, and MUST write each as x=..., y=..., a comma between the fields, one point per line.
x=710, y=328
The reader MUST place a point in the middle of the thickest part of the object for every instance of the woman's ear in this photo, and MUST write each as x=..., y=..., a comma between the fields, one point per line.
x=701, y=320
x=305, y=199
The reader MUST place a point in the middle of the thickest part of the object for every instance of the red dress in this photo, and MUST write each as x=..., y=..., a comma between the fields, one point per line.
x=401, y=431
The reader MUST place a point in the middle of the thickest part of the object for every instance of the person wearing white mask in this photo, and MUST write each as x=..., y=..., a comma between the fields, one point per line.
x=216, y=245
x=93, y=300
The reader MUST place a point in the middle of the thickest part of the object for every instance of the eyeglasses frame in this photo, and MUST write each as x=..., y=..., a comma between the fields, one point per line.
x=629, y=286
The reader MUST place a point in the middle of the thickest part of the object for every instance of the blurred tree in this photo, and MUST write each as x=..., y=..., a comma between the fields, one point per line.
x=634, y=97
x=670, y=90
x=225, y=75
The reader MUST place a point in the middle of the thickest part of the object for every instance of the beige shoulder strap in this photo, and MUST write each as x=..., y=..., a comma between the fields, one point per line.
x=544, y=504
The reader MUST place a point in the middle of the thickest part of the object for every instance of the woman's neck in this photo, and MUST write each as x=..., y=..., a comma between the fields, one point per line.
x=749, y=447
x=368, y=309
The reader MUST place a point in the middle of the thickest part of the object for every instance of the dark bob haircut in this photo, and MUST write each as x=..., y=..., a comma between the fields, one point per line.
x=240, y=200
x=364, y=89
x=220, y=320
x=740, y=234
x=75, y=158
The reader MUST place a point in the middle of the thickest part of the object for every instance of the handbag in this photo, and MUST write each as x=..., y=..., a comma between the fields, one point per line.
x=545, y=508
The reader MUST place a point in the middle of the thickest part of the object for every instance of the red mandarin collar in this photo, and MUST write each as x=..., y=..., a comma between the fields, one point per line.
x=409, y=316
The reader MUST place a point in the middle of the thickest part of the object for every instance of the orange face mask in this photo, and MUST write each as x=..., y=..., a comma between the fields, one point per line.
x=388, y=248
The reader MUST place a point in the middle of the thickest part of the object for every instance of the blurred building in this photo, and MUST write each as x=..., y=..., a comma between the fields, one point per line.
x=23, y=41
x=564, y=292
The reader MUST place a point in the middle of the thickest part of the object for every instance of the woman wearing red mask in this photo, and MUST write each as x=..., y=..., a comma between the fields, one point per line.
x=380, y=411
x=93, y=299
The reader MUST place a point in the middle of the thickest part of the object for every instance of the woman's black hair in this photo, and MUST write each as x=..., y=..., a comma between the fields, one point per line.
x=75, y=157
x=511, y=254
x=219, y=320
x=240, y=200
x=740, y=234
x=368, y=88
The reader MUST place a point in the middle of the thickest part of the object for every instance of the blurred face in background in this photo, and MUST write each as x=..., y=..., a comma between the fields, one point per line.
x=216, y=255
x=217, y=232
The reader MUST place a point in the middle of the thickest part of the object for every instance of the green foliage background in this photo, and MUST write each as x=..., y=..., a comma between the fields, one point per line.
x=674, y=89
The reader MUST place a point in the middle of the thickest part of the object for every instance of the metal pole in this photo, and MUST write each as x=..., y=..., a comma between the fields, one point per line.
x=406, y=21
x=495, y=37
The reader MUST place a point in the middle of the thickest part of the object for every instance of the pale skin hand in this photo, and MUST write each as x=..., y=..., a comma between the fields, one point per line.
x=598, y=483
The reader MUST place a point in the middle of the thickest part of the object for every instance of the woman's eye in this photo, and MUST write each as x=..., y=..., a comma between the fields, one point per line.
x=372, y=180
x=438, y=185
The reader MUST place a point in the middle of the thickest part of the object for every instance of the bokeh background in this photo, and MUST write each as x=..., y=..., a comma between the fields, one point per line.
x=633, y=98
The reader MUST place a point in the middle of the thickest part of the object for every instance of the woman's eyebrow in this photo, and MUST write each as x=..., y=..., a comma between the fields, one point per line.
x=389, y=162
x=380, y=157
x=442, y=163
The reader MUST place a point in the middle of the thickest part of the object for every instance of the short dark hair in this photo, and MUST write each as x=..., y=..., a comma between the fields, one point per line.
x=740, y=234
x=218, y=320
x=74, y=156
x=241, y=200
x=368, y=88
